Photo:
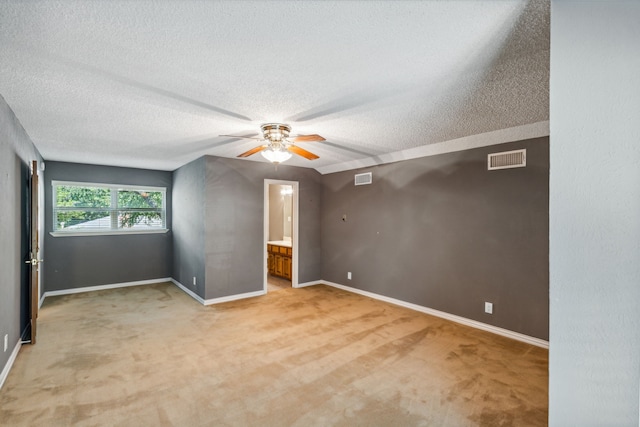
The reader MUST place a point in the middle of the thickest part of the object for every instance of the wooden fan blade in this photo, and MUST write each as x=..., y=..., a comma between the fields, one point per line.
x=308, y=138
x=253, y=151
x=302, y=152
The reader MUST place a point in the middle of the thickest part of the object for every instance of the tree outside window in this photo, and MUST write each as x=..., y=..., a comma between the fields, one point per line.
x=95, y=207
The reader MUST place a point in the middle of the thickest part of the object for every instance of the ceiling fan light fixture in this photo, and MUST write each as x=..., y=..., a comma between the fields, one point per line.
x=276, y=155
x=276, y=145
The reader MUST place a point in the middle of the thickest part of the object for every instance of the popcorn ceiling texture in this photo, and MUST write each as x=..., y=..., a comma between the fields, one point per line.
x=154, y=84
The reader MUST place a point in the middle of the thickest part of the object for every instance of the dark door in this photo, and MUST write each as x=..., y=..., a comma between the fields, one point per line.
x=30, y=296
x=25, y=250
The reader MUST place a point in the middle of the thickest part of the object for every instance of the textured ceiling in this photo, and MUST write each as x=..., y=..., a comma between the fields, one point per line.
x=154, y=84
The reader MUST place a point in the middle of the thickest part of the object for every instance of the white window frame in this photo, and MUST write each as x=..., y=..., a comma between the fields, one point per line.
x=113, y=208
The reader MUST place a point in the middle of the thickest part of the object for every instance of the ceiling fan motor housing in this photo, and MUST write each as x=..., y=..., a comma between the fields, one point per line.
x=275, y=132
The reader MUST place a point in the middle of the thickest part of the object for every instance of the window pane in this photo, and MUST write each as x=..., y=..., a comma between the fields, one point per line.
x=83, y=220
x=82, y=197
x=139, y=199
x=107, y=208
x=139, y=220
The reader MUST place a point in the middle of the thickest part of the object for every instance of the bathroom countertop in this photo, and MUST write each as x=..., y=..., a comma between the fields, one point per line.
x=286, y=243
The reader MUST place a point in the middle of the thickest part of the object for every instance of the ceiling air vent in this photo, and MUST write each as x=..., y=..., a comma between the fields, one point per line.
x=363, y=178
x=507, y=159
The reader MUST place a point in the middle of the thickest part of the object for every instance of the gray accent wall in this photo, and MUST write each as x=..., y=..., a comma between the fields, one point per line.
x=445, y=233
x=235, y=223
x=16, y=153
x=84, y=261
x=233, y=232
x=189, y=225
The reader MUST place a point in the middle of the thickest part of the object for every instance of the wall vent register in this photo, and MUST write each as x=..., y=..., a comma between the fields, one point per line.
x=507, y=160
x=363, y=178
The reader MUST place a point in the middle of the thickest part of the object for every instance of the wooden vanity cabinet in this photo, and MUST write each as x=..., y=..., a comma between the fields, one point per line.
x=286, y=267
x=279, y=260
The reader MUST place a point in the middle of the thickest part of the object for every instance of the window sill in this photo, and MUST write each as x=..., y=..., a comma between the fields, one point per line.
x=105, y=233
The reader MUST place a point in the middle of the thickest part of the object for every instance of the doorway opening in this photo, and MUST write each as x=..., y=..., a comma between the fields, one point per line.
x=280, y=242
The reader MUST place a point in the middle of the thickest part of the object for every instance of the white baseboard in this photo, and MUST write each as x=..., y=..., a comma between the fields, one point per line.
x=150, y=282
x=217, y=300
x=9, y=365
x=103, y=287
x=234, y=297
x=458, y=319
x=305, y=284
x=188, y=291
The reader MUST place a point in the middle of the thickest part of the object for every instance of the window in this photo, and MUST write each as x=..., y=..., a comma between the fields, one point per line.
x=87, y=208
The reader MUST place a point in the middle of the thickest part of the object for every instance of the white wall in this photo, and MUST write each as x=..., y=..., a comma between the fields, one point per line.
x=594, y=214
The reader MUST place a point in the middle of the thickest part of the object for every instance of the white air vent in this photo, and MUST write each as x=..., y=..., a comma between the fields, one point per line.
x=363, y=178
x=507, y=159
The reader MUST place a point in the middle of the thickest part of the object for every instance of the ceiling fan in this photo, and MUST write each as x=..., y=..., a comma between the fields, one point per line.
x=278, y=145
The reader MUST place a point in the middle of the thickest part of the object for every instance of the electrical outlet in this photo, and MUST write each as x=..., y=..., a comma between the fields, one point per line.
x=488, y=308
x=6, y=342
x=349, y=275
x=194, y=280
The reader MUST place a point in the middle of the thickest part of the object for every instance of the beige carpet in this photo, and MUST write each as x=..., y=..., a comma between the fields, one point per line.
x=318, y=356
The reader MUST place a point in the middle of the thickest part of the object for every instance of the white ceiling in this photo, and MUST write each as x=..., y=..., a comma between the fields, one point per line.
x=154, y=84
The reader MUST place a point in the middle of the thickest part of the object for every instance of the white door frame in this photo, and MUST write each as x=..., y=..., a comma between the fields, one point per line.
x=294, y=241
